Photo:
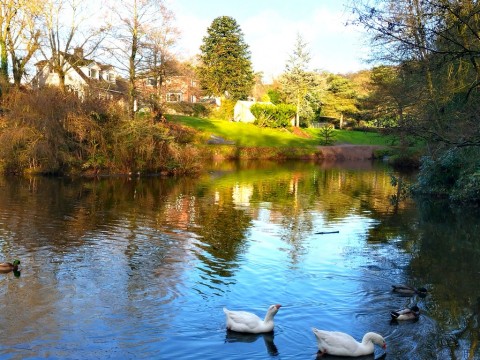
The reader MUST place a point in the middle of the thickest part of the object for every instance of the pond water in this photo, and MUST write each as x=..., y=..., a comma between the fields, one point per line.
x=141, y=268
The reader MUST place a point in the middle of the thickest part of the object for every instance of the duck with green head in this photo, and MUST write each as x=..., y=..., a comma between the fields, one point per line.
x=410, y=313
x=6, y=267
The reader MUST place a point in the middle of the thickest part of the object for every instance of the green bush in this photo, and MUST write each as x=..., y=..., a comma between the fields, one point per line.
x=273, y=116
x=284, y=114
x=264, y=115
x=455, y=174
x=327, y=135
x=274, y=96
x=189, y=109
x=224, y=111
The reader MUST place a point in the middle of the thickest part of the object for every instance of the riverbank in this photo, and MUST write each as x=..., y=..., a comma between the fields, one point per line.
x=219, y=139
x=113, y=145
x=349, y=152
x=340, y=152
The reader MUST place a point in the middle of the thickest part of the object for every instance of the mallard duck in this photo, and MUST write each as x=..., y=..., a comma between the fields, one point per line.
x=242, y=321
x=409, y=290
x=6, y=267
x=341, y=344
x=411, y=313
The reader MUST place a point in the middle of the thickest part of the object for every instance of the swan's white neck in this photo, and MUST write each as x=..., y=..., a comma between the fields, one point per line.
x=365, y=348
x=268, y=317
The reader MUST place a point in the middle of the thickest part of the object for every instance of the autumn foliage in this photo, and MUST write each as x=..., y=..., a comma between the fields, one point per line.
x=55, y=132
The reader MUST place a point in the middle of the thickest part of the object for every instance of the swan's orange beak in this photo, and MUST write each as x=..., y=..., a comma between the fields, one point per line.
x=278, y=306
x=384, y=347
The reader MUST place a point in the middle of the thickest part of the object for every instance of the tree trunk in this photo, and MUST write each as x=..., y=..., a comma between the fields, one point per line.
x=61, y=77
x=297, y=113
x=3, y=60
x=18, y=70
x=19, y=63
x=132, y=90
x=132, y=71
x=403, y=135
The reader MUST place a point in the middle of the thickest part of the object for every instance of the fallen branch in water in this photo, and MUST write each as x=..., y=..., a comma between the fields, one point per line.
x=327, y=232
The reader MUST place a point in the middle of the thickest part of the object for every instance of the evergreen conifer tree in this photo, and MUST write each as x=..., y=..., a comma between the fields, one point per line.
x=225, y=69
x=297, y=82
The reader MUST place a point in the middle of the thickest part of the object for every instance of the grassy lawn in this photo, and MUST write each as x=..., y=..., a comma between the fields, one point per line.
x=250, y=135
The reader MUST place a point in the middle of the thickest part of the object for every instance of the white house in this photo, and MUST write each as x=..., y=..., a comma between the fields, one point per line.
x=81, y=75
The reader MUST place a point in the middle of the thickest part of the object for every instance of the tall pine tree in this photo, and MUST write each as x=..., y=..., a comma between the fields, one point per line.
x=225, y=69
x=297, y=81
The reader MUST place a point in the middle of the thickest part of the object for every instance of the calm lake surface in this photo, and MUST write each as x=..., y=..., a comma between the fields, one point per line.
x=140, y=268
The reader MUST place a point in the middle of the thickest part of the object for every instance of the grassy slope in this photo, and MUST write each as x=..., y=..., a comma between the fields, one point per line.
x=251, y=135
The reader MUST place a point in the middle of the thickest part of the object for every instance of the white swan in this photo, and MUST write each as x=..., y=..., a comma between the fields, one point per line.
x=242, y=321
x=341, y=344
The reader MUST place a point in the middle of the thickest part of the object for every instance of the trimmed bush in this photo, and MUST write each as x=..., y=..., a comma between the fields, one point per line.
x=273, y=116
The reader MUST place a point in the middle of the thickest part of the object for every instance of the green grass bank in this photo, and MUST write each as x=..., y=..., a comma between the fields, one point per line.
x=226, y=139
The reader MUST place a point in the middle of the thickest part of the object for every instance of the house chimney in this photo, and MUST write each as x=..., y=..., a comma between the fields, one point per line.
x=78, y=52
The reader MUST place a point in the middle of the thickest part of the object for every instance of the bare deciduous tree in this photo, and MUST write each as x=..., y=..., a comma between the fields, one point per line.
x=24, y=37
x=67, y=25
x=142, y=37
x=19, y=36
x=161, y=62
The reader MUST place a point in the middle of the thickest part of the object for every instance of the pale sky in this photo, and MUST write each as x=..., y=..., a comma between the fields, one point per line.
x=270, y=29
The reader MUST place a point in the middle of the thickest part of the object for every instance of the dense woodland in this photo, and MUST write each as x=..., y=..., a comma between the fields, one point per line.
x=431, y=87
x=425, y=92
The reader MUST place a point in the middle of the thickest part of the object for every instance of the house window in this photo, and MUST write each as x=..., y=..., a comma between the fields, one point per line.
x=174, y=97
x=93, y=73
x=111, y=77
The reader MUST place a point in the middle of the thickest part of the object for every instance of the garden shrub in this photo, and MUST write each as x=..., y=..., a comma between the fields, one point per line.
x=284, y=114
x=224, y=111
x=274, y=116
x=264, y=114
x=181, y=134
x=188, y=109
x=455, y=174
x=327, y=135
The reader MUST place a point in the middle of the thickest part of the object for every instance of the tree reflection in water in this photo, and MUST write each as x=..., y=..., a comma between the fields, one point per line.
x=161, y=231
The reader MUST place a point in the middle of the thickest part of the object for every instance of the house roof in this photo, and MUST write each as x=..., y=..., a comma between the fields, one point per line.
x=76, y=62
x=73, y=59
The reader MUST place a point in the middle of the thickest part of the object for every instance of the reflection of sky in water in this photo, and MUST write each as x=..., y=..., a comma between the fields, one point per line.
x=112, y=275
